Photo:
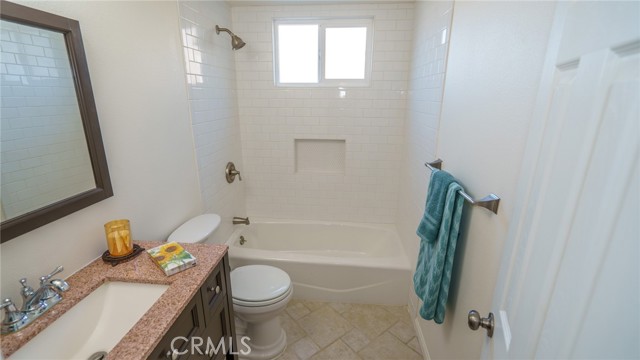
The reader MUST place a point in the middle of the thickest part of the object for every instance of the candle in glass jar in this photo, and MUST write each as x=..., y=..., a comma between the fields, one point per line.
x=119, y=237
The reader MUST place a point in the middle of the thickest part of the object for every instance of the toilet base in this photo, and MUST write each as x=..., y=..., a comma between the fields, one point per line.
x=269, y=352
x=258, y=352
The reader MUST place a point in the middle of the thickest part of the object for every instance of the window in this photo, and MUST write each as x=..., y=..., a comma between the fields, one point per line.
x=322, y=52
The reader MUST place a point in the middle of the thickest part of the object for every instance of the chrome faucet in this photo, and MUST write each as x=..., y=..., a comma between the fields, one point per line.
x=34, y=303
x=241, y=220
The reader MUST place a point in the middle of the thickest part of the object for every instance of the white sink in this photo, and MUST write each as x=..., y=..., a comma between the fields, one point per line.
x=96, y=323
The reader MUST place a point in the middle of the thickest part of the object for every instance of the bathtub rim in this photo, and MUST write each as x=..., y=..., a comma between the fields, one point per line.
x=398, y=261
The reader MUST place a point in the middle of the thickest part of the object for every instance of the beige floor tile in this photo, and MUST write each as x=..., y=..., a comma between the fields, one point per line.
x=296, y=310
x=403, y=331
x=372, y=320
x=387, y=347
x=415, y=345
x=356, y=339
x=304, y=348
x=340, y=307
x=313, y=305
x=288, y=354
x=291, y=328
x=341, y=331
x=324, y=326
x=336, y=351
x=401, y=312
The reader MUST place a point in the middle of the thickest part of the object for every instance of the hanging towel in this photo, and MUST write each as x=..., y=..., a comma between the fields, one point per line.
x=435, y=258
x=434, y=206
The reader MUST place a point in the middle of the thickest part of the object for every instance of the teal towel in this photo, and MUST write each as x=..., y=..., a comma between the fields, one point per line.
x=434, y=206
x=435, y=259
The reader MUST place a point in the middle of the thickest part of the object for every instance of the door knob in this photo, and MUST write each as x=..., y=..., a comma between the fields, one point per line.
x=475, y=322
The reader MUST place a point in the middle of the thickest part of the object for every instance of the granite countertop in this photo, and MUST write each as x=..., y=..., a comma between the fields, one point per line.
x=149, y=330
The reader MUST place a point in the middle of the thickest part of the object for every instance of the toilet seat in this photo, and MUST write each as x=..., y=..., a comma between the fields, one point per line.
x=262, y=303
x=259, y=285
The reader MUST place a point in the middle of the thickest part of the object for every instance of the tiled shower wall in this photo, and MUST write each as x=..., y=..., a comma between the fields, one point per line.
x=211, y=86
x=426, y=88
x=369, y=120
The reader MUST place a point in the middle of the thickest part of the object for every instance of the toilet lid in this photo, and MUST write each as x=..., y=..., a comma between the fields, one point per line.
x=261, y=303
x=196, y=229
x=259, y=283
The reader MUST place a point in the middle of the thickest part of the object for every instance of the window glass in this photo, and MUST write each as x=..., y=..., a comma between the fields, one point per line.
x=345, y=53
x=298, y=53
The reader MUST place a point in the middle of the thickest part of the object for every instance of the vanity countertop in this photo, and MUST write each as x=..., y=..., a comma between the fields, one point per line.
x=149, y=330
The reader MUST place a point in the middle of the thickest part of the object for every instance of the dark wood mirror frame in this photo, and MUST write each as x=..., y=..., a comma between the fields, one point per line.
x=22, y=224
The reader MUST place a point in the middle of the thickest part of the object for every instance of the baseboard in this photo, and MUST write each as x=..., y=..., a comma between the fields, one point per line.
x=420, y=336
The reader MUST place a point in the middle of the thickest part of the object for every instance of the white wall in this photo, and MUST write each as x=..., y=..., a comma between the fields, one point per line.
x=370, y=119
x=494, y=65
x=426, y=87
x=211, y=86
x=134, y=54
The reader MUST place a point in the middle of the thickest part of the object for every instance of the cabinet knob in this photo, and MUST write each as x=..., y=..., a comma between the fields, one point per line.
x=216, y=289
x=173, y=355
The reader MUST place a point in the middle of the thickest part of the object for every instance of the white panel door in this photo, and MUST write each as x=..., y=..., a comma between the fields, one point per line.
x=569, y=280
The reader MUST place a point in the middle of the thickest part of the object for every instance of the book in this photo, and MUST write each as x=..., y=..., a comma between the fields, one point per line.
x=172, y=258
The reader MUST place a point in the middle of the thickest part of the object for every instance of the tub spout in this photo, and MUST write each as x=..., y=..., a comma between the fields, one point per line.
x=241, y=220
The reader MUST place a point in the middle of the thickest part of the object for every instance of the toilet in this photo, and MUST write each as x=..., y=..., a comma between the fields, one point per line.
x=196, y=230
x=260, y=294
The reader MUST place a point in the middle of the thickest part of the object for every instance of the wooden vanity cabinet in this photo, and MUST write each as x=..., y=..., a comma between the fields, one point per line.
x=209, y=315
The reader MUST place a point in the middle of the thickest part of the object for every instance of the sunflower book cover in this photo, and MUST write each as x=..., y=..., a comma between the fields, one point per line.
x=172, y=258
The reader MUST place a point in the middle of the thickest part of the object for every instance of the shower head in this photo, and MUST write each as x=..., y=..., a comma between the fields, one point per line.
x=236, y=42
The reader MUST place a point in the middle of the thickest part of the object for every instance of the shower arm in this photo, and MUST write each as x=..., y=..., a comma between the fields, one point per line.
x=218, y=29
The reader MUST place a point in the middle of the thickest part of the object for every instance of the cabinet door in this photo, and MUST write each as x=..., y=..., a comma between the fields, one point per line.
x=218, y=304
x=214, y=289
x=218, y=331
x=189, y=324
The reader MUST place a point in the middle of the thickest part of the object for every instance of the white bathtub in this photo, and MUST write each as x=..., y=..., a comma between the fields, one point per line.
x=329, y=261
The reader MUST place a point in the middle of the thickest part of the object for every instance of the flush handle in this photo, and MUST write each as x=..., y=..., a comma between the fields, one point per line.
x=476, y=322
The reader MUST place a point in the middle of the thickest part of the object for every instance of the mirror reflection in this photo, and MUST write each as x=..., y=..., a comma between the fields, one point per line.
x=44, y=155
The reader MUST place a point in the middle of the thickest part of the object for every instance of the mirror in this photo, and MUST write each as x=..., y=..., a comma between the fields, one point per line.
x=52, y=160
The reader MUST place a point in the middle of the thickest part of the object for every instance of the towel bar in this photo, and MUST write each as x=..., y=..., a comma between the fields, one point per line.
x=491, y=201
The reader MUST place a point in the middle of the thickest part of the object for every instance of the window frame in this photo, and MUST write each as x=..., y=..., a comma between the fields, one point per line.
x=323, y=24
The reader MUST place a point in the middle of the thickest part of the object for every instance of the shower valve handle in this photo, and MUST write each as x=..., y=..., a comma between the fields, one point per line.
x=231, y=172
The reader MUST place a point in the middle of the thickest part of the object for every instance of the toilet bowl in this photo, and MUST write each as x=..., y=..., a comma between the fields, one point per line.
x=260, y=294
x=196, y=230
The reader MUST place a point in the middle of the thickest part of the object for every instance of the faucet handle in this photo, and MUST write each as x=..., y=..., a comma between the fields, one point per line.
x=46, y=278
x=27, y=290
x=13, y=318
x=231, y=172
x=7, y=303
x=11, y=313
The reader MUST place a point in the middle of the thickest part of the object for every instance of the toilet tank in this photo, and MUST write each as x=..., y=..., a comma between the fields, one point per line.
x=196, y=230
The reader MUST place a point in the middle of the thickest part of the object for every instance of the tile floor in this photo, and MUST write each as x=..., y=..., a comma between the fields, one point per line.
x=337, y=331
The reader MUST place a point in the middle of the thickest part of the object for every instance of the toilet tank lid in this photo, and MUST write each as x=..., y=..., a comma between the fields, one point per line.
x=196, y=229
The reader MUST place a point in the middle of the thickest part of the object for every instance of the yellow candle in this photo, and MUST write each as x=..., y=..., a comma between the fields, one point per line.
x=118, y=237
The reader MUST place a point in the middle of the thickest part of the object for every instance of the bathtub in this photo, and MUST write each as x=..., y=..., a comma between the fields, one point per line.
x=329, y=261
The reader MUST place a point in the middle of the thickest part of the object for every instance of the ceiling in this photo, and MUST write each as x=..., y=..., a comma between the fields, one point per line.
x=310, y=2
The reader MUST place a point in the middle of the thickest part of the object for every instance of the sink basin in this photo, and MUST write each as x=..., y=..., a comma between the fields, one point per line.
x=97, y=323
